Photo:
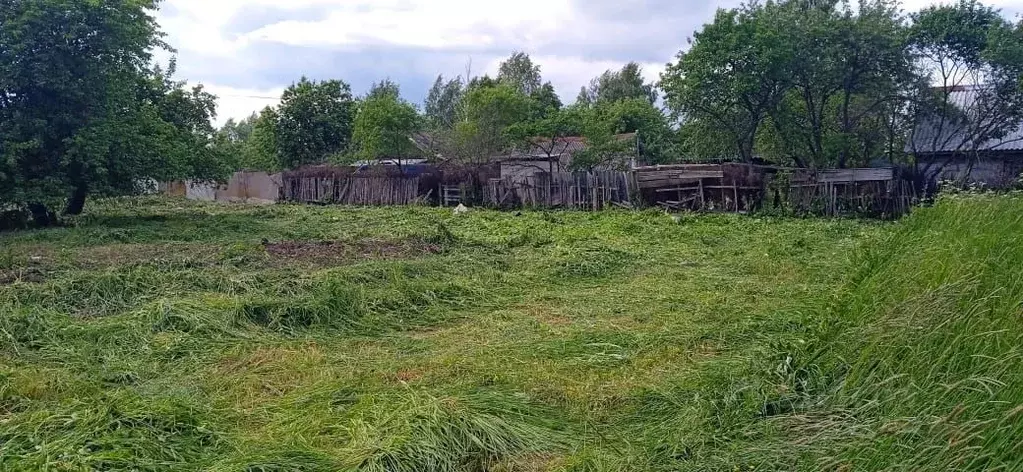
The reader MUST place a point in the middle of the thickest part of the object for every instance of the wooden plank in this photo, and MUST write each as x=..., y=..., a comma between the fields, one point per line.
x=678, y=189
x=647, y=176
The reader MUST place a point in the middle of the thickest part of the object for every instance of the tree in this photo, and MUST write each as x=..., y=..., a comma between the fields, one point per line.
x=545, y=102
x=442, y=102
x=607, y=126
x=966, y=47
x=734, y=75
x=488, y=112
x=548, y=135
x=845, y=69
x=519, y=73
x=384, y=127
x=261, y=150
x=82, y=111
x=612, y=86
x=314, y=122
x=384, y=87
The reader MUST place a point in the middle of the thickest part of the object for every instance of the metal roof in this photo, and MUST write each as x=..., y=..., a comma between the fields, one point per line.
x=935, y=135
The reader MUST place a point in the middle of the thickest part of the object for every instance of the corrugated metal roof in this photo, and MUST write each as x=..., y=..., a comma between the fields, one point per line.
x=936, y=135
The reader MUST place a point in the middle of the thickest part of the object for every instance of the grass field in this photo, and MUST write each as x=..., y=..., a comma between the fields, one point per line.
x=170, y=335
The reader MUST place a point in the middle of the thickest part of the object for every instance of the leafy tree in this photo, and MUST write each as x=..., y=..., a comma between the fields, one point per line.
x=657, y=141
x=613, y=86
x=488, y=112
x=82, y=112
x=519, y=73
x=442, y=102
x=384, y=87
x=384, y=127
x=240, y=131
x=261, y=150
x=548, y=134
x=734, y=75
x=314, y=122
x=966, y=46
x=545, y=102
x=845, y=69
x=606, y=124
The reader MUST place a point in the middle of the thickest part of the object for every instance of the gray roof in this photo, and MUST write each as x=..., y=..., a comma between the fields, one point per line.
x=936, y=135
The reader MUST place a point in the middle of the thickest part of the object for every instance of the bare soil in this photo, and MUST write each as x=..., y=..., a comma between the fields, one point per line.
x=340, y=252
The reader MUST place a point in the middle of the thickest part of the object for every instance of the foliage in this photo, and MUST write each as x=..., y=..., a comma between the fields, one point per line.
x=443, y=102
x=967, y=45
x=385, y=87
x=261, y=149
x=487, y=114
x=519, y=73
x=613, y=86
x=731, y=78
x=384, y=127
x=849, y=72
x=822, y=84
x=314, y=121
x=82, y=111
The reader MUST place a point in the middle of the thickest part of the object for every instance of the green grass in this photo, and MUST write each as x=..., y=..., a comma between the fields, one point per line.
x=164, y=335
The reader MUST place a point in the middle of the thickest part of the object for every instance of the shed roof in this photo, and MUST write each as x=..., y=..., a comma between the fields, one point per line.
x=941, y=136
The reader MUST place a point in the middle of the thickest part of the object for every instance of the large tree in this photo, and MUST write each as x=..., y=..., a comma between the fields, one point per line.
x=384, y=128
x=732, y=77
x=520, y=73
x=488, y=113
x=83, y=112
x=845, y=69
x=314, y=122
x=972, y=51
x=613, y=86
x=442, y=102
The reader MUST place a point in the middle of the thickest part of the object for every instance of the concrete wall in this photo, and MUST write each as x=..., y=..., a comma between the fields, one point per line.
x=242, y=187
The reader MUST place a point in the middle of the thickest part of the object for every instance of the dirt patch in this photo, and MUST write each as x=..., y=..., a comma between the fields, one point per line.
x=117, y=255
x=548, y=316
x=406, y=376
x=340, y=252
x=30, y=275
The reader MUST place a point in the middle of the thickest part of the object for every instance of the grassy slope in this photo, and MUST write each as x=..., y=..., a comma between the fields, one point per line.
x=919, y=364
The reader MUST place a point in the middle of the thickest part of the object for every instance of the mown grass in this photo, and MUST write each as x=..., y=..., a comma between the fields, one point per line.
x=164, y=335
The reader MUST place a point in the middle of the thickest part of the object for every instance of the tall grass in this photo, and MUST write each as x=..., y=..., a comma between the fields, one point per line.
x=919, y=365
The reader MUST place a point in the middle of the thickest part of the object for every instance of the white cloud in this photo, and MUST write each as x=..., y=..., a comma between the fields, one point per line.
x=239, y=103
x=198, y=25
x=572, y=40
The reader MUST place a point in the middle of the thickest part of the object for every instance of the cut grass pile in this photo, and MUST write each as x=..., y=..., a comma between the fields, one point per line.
x=170, y=335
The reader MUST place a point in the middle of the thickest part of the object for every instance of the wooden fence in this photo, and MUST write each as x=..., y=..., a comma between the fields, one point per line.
x=729, y=187
x=579, y=190
x=743, y=187
x=349, y=190
x=836, y=192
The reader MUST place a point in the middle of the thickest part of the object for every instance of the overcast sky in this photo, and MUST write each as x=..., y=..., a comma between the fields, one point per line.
x=248, y=51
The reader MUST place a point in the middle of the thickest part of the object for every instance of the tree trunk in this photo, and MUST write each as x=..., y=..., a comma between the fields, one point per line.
x=76, y=203
x=41, y=216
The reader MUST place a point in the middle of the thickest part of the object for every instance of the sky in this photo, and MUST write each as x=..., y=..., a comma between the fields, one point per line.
x=248, y=51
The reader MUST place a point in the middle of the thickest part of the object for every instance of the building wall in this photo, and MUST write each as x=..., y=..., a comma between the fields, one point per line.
x=994, y=173
x=245, y=187
x=520, y=170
